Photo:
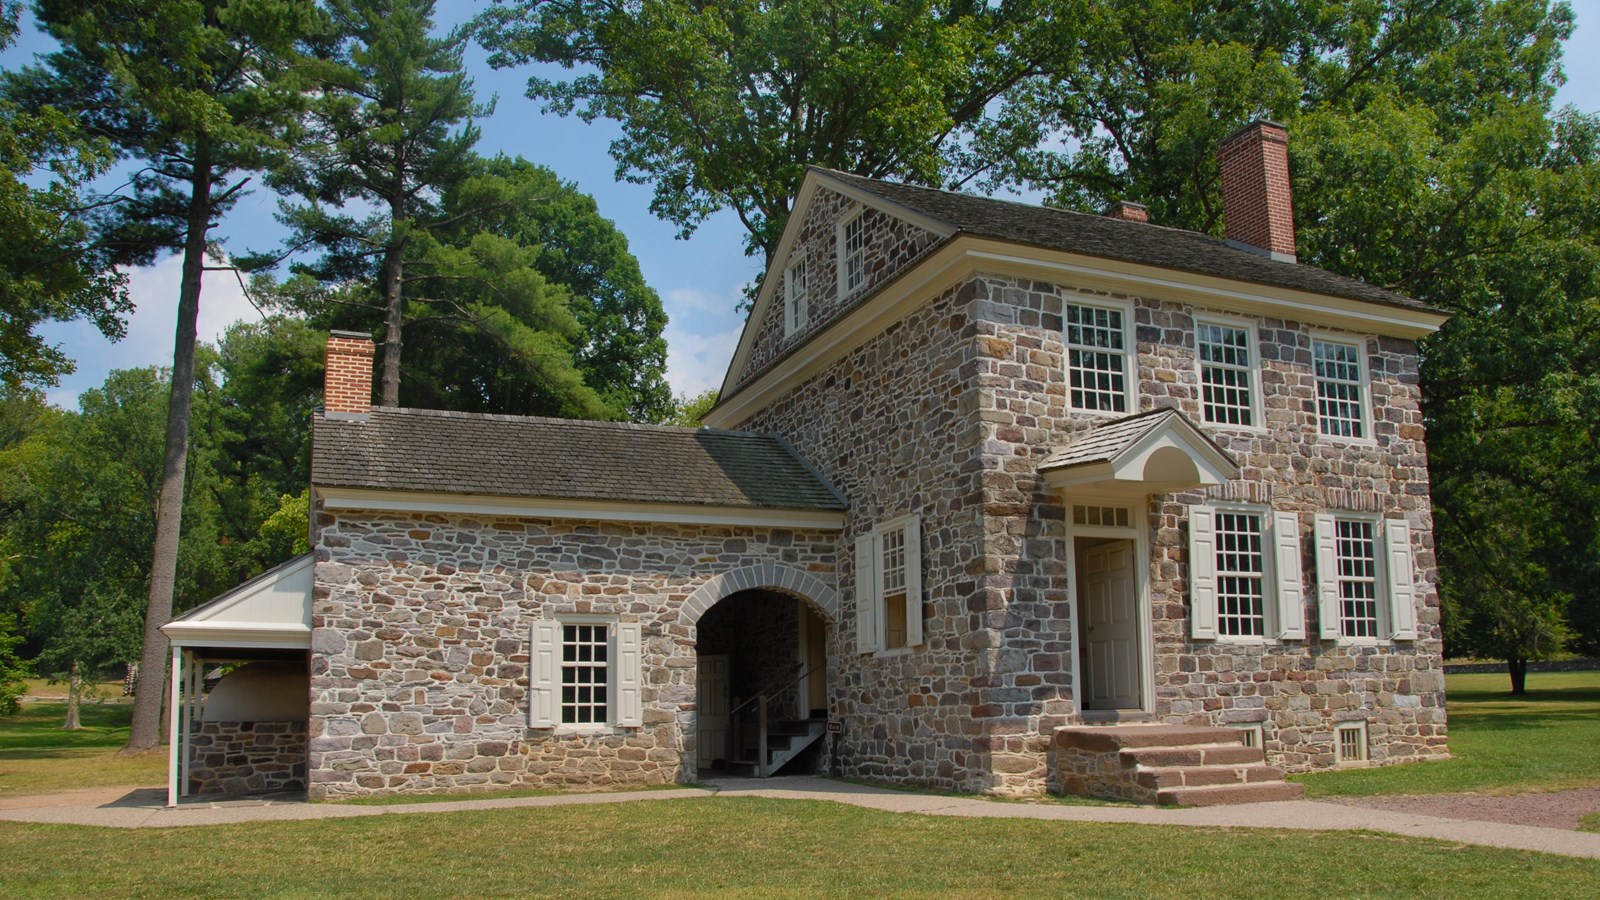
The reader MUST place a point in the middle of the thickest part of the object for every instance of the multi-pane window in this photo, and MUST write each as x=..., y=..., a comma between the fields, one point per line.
x=1339, y=389
x=1097, y=358
x=1109, y=516
x=1356, y=561
x=1225, y=367
x=1241, y=576
x=796, y=312
x=584, y=673
x=853, y=254
x=893, y=560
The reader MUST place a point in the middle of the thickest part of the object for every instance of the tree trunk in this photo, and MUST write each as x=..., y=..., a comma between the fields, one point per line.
x=392, y=279
x=146, y=731
x=1518, y=667
x=74, y=695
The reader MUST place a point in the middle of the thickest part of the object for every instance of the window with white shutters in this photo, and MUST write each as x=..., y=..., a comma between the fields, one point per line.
x=585, y=674
x=1244, y=574
x=889, y=586
x=1227, y=373
x=1341, y=389
x=1097, y=358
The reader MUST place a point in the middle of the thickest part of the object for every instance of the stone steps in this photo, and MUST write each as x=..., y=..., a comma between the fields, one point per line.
x=1166, y=764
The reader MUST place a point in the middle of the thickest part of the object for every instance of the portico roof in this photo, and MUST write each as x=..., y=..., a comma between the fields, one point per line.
x=272, y=610
x=1153, y=452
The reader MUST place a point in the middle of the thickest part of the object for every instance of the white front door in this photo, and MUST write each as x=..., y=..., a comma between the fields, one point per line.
x=1110, y=627
x=711, y=707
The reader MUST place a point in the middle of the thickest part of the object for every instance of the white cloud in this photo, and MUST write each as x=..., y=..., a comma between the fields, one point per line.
x=696, y=361
x=151, y=326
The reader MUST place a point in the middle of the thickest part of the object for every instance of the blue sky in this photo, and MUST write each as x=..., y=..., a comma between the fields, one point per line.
x=699, y=279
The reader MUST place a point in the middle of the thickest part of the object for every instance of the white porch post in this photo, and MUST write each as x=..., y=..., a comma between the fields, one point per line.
x=174, y=725
x=191, y=701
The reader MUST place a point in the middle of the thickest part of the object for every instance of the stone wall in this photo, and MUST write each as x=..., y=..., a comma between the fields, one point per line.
x=1299, y=690
x=421, y=635
x=239, y=758
x=892, y=245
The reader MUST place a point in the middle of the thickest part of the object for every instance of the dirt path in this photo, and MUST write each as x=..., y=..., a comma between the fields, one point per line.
x=1555, y=809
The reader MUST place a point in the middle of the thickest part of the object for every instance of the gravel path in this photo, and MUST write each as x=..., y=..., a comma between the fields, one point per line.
x=1555, y=809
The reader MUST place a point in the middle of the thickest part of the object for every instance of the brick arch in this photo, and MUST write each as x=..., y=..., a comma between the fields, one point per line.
x=769, y=576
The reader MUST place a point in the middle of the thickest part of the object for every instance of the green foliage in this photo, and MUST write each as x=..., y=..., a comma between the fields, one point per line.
x=723, y=105
x=14, y=672
x=688, y=412
x=49, y=268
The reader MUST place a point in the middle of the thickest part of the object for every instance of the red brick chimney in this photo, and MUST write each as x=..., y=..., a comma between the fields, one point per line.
x=1256, y=211
x=348, y=384
x=1128, y=211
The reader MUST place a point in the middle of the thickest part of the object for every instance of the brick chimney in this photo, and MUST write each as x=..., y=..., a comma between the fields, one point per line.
x=348, y=385
x=1256, y=211
x=1127, y=211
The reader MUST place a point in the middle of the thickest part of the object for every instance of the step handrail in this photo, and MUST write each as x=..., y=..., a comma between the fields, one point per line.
x=797, y=679
x=760, y=700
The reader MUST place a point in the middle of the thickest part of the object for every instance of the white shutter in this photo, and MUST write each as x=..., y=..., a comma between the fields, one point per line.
x=867, y=593
x=630, y=646
x=1291, y=597
x=1327, y=577
x=1402, y=580
x=1202, y=572
x=542, y=674
x=914, y=581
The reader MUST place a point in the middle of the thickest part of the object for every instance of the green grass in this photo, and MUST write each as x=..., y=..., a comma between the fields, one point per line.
x=38, y=756
x=1590, y=822
x=756, y=847
x=1545, y=741
x=505, y=793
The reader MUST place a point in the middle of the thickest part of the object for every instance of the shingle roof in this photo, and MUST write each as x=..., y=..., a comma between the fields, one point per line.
x=517, y=456
x=1135, y=242
x=1104, y=442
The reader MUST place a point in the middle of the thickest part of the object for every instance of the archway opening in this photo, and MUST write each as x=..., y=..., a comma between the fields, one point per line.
x=762, y=685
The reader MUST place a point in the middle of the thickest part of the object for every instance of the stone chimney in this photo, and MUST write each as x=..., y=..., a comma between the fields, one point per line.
x=348, y=385
x=1256, y=211
x=1127, y=211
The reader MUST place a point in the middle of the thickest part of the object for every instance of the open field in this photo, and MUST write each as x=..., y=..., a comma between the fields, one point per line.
x=37, y=756
x=1545, y=741
x=750, y=847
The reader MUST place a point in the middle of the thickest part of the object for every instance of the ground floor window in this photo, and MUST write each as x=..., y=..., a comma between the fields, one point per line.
x=1350, y=743
x=1356, y=552
x=585, y=651
x=585, y=673
x=889, y=586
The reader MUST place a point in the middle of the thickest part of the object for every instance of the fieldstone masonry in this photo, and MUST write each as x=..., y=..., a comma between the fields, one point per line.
x=422, y=628
x=237, y=758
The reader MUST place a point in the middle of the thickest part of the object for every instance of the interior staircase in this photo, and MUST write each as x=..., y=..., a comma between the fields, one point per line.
x=786, y=738
x=1166, y=764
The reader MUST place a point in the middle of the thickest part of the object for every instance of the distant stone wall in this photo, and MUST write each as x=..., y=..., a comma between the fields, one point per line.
x=237, y=758
x=421, y=632
x=1543, y=665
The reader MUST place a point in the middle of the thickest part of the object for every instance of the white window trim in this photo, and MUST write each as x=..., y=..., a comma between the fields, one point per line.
x=1270, y=626
x=1366, y=746
x=1130, y=354
x=1257, y=729
x=796, y=307
x=1252, y=330
x=1328, y=579
x=871, y=605
x=854, y=214
x=624, y=677
x=1360, y=343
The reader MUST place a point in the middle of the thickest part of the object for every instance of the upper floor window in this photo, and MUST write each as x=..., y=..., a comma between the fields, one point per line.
x=1341, y=388
x=796, y=311
x=852, y=240
x=1227, y=373
x=1097, y=358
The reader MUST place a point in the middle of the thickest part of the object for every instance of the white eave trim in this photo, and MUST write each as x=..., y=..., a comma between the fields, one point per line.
x=264, y=635
x=965, y=257
x=591, y=510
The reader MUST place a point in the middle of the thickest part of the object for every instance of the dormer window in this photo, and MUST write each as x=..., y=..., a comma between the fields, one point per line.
x=852, y=240
x=796, y=307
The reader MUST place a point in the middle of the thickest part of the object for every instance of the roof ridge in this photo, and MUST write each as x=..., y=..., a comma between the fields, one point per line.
x=557, y=421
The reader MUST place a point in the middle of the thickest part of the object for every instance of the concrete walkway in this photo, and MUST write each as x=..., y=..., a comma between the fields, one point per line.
x=143, y=809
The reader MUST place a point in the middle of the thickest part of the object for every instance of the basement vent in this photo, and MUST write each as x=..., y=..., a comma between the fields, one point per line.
x=1109, y=516
x=1350, y=743
x=1250, y=732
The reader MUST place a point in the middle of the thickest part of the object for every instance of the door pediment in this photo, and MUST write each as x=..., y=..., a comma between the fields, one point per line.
x=1155, y=452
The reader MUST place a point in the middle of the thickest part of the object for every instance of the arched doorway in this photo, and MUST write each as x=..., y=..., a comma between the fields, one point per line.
x=761, y=684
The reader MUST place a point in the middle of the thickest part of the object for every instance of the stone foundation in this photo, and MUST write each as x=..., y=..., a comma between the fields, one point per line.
x=237, y=758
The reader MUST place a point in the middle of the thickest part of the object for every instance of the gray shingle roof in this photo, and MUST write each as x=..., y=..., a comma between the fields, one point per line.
x=517, y=456
x=1104, y=442
x=1135, y=242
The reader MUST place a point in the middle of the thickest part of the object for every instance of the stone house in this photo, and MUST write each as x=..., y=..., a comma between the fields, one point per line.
x=996, y=498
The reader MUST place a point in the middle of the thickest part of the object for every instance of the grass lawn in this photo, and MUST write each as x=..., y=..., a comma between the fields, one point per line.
x=37, y=756
x=756, y=847
x=1546, y=741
